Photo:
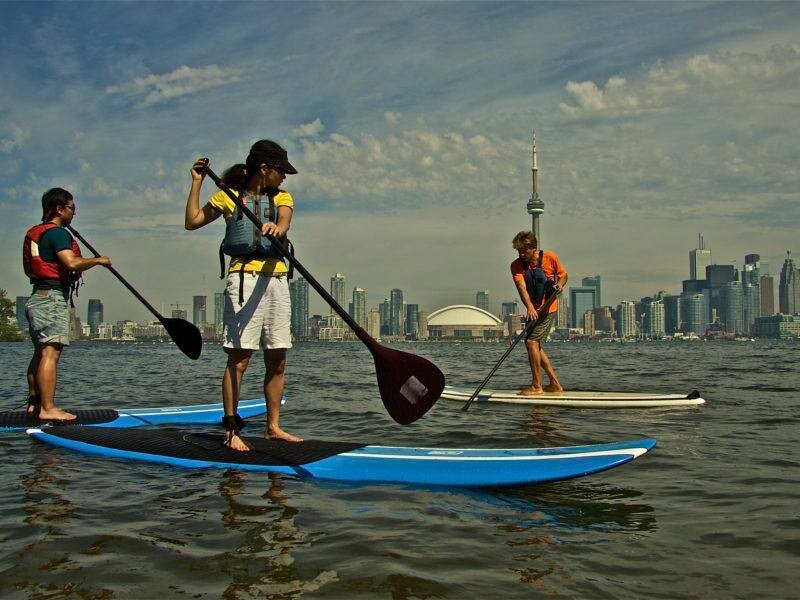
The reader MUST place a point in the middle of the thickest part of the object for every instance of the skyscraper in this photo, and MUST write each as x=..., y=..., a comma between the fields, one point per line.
x=593, y=282
x=653, y=322
x=397, y=315
x=337, y=289
x=535, y=204
x=672, y=314
x=482, y=299
x=789, y=287
x=298, y=294
x=694, y=311
x=199, y=310
x=767, y=286
x=507, y=308
x=385, y=315
x=360, y=306
x=626, y=319
x=22, y=317
x=699, y=259
x=581, y=299
x=94, y=316
x=219, y=308
x=412, y=321
x=731, y=308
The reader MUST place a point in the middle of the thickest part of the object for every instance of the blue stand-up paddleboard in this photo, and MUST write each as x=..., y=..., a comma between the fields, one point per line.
x=349, y=461
x=135, y=417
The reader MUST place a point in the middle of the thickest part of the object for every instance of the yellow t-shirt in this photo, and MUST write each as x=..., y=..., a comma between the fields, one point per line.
x=267, y=266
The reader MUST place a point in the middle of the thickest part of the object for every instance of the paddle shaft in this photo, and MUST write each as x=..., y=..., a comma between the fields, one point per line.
x=281, y=248
x=118, y=276
x=528, y=328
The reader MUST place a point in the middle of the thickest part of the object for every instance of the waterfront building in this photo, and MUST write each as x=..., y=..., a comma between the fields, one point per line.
x=751, y=305
x=22, y=318
x=626, y=320
x=178, y=313
x=338, y=289
x=593, y=282
x=653, y=320
x=385, y=310
x=562, y=316
x=463, y=322
x=298, y=295
x=94, y=315
x=767, y=287
x=778, y=326
x=219, y=309
x=588, y=322
x=507, y=308
x=482, y=299
x=581, y=299
x=672, y=314
x=535, y=204
x=604, y=320
x=360, y=306
x=694, y=312
x=717, y=277
x=789, y=287
x=396, y=313
x=199, y=310
x=422, y=324
x=513, y=324
x=75, y=327
x=374, y=323
x=412, y=321
x=699, y=259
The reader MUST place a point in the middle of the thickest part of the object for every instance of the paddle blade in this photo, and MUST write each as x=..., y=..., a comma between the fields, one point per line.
x=185, y=335
x=409, y=384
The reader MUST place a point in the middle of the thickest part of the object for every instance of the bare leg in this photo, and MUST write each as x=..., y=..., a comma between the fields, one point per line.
x=555, y=384
x=535, y=360
x=238, y=359
x=46, y=378
x=33, y=391
x=275, y=363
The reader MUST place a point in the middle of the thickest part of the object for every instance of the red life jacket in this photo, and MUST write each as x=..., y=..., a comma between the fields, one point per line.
x=38, y=269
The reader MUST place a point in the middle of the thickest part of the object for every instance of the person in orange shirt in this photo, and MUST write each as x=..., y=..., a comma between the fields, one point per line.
x=538, y=274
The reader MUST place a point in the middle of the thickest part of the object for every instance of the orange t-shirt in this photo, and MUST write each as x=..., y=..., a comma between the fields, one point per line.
x=550, y=265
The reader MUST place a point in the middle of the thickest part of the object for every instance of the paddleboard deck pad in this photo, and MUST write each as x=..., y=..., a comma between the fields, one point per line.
x=578, y=399
x=198, y=413
x=351, y=462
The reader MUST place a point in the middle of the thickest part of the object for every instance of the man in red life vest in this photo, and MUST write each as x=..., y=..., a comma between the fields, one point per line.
x=53, y=262
x=538, y=274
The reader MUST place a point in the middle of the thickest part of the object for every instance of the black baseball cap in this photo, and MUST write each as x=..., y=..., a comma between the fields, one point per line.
x=270, y=154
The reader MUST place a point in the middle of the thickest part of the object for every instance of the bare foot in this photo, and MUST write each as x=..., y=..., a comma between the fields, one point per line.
x=56, y=413
x=530, y=391
x=234, y=442
x=553, y=388
x=279, y=434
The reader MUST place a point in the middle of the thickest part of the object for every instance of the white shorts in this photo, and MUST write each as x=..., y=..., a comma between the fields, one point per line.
x=263, y=317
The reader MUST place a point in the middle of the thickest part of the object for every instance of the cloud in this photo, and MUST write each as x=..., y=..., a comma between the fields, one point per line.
x=662, y=84
x=312, y=129
x=16, y=137
x=183, y=81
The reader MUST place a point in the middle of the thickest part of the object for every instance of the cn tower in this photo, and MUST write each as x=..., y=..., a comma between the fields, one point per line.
x=535, y=204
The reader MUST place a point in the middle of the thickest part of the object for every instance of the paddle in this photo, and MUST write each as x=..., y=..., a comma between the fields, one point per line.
x=409, y=384
x=528, y=328
x=185, y=335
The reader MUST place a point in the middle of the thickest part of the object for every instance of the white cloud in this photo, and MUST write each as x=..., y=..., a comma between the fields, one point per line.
x=309, y=129
x=15, y=138
x=182, y=81
x=391, y=117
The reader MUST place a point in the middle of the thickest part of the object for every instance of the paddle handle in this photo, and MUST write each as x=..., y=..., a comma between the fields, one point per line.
x=281, y=248
x=117, y=275
x=528, y=328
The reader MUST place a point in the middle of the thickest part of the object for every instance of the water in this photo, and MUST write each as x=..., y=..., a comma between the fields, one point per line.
x=712, y=512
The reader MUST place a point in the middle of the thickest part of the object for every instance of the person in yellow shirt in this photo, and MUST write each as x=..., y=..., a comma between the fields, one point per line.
x=257, y=307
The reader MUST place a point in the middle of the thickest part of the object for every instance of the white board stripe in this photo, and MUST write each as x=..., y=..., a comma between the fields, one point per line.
x=635, y=452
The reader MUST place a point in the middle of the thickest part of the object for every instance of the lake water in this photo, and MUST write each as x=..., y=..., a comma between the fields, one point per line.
x=713, y=511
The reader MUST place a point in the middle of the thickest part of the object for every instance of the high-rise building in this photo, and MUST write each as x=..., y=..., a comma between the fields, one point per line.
x=94, y=316
x=653, y=320
x=626, y=320
x=694, y=312
x=717, y=277
x=360, y=306
x=22, y=317
x=412, y=321
x=562, y=316
x=731, y=310
x=298, y=294
x=672, y=314
x=482, y=299
x=535, y=204
x=178, y=313
x=593, y=282
x=385, y=313
x=588, y=322
x=374, y=323
x=604, y=319
x=219, y=307
x=699, y=259
x=337, y=289
x=751, y=306
x=397, y=315
x=507, y=308
x=789, y=287
x=581, y=299
x=422, y=324
x=767, y=286
x=199, y=310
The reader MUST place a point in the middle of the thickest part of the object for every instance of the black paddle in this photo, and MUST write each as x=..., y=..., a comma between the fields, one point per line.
x=528, y=328
x=185, y=335
x=409, y=384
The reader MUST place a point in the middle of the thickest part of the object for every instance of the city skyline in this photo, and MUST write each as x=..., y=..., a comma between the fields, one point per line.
x=414, y=151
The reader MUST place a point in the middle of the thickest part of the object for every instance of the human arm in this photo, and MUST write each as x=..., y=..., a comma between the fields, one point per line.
x=532, y=313
x=197, y=217
x=281, y=228
x=78, y=263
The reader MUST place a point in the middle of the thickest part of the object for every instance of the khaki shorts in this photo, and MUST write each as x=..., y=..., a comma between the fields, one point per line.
x=264, y=316
x=542, y=329
x=48, y=317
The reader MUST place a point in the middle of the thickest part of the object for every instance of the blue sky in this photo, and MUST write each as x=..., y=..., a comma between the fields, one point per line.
x=410, y=124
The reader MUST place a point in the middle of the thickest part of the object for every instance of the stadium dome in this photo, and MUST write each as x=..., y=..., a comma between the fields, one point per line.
x=462, y=321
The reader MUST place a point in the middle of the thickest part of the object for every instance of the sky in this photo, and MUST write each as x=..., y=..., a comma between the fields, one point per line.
x=410, y=125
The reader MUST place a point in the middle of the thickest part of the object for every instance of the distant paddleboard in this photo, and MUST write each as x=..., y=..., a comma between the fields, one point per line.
x=578, y=399
x=344, y=461
x=135, y=417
